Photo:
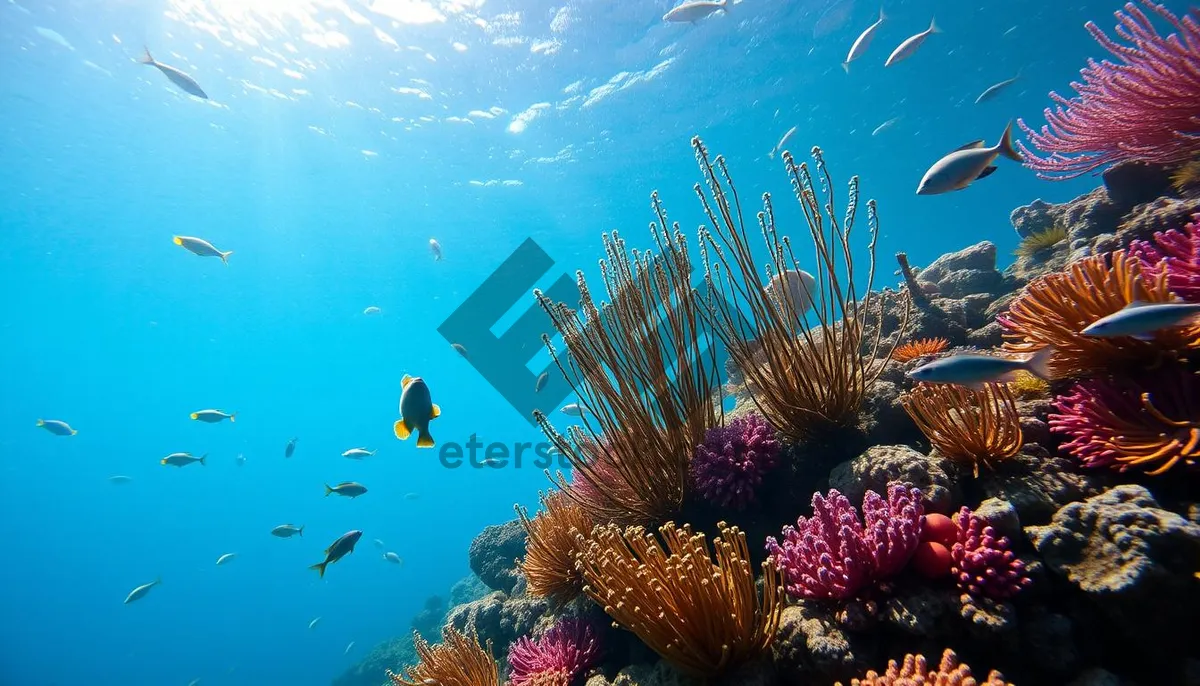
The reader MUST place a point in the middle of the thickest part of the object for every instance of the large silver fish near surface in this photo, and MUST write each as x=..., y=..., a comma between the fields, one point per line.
x=695, y=10
x=957, y=170
x=186, y=83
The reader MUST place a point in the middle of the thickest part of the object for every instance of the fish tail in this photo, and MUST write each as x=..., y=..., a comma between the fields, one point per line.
x=301, y=532
x=1005, y=145
x=225, y=257
x=195, y=415
x=74, y=431
x=846, y=67
x=158, y=580
x=177, y=240
x=328, y=490
x=41, y=422
x=424, y=440
x=320, y=567
x=233, y=417
x=146, y=58
x=933, y=27
x=1038, y=364
x=882, y=16
x=203, y=459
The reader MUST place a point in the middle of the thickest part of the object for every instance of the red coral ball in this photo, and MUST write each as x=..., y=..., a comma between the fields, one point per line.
x=940, y=529
x=932, y=560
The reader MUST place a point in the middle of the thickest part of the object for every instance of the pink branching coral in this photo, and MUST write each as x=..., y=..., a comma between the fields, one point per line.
x=833, y=555
x=915, y=671
x=1151, y=423
x=729, y=466
x=983, y=564
x=1177, y=252
x=558, y=658
x=1145, y=107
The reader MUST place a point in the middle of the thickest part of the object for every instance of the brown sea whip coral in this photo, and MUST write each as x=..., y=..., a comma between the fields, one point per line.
x=699, y=611
x=972, y=426
x=1149, y=423
x=1144, y=107
x=806, y=371
x=458, y=660
x=549, y=564
x=1054, y=309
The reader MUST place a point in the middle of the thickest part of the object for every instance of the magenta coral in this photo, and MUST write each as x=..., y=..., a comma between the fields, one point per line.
x=1151, y=423
x=729, y=466
x=1178, y=252
x=832, y=555
x=1145, y=107
x=983, y=564
x=564, y=653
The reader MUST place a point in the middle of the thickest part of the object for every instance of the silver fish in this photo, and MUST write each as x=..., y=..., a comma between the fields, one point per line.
x=573, y=410
x=1142, y=319
x=863, y=41
x=183, y=459
x=910, y=45
x=120, y=479
x=57, y=427
x=225, y=558
x=972, y=161
x=358, y=453
x=314, y=622
x=213, y=416
x=885, y=126
x=201, y=247
x=695, y=10
x=372, y=310
x=782, y=142
x=287, y=531
x=393, y=558
x=177, y=77
x=141, y=591
x=991, y=91
x=350, y=489
x=436, y=249
x=974, y=370
x=541, y=381
x=794, y=286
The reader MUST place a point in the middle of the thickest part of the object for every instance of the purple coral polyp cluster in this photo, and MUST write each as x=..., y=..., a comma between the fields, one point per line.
x=561, y=655
x=833, y=555
x=1177, y=252
x=983, y=564
x=729, y=466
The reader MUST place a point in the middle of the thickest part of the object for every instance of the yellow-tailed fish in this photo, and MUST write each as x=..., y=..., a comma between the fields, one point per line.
x=340, y=548
x=201, y=247
x=213, y=416
x=416, y=411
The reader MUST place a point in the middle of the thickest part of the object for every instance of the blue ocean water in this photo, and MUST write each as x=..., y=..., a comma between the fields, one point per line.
x=342, y=135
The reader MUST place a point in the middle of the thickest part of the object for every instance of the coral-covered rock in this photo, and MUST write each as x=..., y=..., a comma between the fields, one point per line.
x=1161, y=215
x=937, y=477
x=1133, y=183
x=494, y=554
x=925, y=611
x=1001, y=516
x=1134, y=561
x=810, y=643
x=969, y=271
x=1037, y=485
x=428, y=621
x=467, y=589
x=1047, y=640
x=1036, y=217
x=498, y=617
x=988, y=619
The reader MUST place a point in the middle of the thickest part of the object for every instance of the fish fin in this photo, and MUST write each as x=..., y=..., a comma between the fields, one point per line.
x=987, y=171
x=146, y=58
x=195, y=415
x=163, y=461
x=404, y=382
x=225, y=257
x=933, y=27
x=437, y=412
x=845, y=68
x=233, y=417
x=328, y=490
x=882, y=16
x=203, y=459
x=1038, y=364
x=177, y=240
x=41, y=422
x=1005, y=146
x=969, y=146
x=74, y=431
x=400, y=428
x=424, y=440
x=320, y=567
x=301, y=532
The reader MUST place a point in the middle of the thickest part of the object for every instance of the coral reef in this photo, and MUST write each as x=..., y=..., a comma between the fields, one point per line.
x=1146, y=107
x=1150, y=423
x=834, y=554
x=564, y=653
x=914, y=670
x=1178, y=254
x=922, y=347
x=728, y=468
x=983, y=564
x=699, y=610
x=978, y=427
x=549, y=565
x=492, y=553
x=458, y=660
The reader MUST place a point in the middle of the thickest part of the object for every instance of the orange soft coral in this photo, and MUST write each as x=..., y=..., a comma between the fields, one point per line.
x=458, y=660
x=920, y=347
x=1053, y=309
x=915, y=671
x=549, y=564
x=977, y=427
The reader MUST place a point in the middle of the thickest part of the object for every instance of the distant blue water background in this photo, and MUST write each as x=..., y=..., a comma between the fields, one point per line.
x=340, y=137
